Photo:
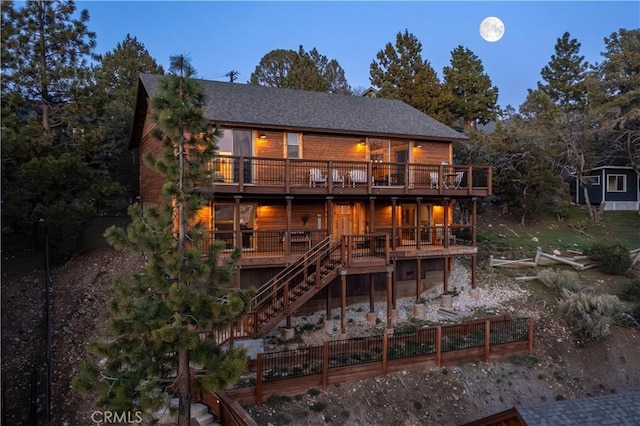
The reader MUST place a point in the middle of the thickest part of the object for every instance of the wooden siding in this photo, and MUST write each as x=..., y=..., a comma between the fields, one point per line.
x=431, y=153
x=150, y=181
x=333, y=147
x=273, y=217
x=273, y=146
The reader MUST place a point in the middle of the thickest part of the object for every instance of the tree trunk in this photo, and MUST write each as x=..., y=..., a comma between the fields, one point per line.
x=505, y=207
x=590, y=209
x=44, y=86
x=184, y=388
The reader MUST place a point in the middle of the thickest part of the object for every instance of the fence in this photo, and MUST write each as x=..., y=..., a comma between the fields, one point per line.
x=338, y=361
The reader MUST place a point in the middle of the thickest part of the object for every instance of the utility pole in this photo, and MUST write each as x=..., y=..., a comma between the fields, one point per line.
x=232, y=75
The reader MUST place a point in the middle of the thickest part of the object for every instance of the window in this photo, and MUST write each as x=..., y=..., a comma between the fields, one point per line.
x=293, y=145
x=616, y=183
x=236, y=142
x=592, y=180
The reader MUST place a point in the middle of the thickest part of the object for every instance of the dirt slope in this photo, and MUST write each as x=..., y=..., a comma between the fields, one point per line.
x=559, y=368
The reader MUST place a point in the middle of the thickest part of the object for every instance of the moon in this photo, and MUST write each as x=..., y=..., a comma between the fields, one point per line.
x=491, y=29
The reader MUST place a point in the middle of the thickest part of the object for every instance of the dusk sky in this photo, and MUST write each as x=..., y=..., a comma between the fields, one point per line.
x=222, y=36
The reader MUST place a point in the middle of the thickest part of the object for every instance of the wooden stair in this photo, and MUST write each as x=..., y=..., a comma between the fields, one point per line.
x=287, y=291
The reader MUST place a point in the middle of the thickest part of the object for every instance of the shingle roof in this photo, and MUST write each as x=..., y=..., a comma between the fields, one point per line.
x=298, y=109
x=616, y=409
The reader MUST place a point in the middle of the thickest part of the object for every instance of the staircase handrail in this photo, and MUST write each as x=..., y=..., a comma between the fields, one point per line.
x=280, y=276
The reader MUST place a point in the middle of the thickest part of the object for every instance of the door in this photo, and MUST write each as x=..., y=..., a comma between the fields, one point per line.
x=342, y=221
x=408, y=224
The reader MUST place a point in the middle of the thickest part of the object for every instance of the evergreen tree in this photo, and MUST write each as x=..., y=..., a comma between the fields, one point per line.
x=617, y=99
x=401, y=73
x=157, y=316
x=114, y=96
x=45, y=110
x=46, y=57
x=474, y=99
x=300, y=70
x=566, y=115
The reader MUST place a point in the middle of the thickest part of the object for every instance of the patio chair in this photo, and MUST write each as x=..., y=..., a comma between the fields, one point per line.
x=337, y=177
x=357, y=176
x=316, y=177
x=457, y=180
x=433, y=176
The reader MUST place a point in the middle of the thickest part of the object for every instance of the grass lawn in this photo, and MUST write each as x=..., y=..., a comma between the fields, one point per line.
x=503, y=235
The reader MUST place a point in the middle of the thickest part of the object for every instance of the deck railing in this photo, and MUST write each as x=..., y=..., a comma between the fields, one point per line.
x=256, y=243
x=298, y=173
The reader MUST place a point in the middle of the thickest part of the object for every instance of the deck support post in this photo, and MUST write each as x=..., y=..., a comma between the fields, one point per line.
x=474, y=277
x=389, y=296
x=372, y=306
x=445, y=275
x=343, y=301
x=328, y=293
x=418, y=279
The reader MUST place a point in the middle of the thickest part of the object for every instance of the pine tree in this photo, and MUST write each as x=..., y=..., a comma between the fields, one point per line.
x=114, y=97
x=300, y=70
x=617, y=99
x=566, y=116
x=400, y=73
x=47, y=55
x=157, y=317
x=474, y=98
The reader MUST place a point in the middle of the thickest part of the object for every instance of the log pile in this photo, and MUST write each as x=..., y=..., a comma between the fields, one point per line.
x=575, y=259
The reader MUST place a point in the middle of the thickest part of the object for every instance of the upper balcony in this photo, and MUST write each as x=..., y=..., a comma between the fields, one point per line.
x=257, y=175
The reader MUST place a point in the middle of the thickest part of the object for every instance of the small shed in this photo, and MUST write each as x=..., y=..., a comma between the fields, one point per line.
x=616, y=186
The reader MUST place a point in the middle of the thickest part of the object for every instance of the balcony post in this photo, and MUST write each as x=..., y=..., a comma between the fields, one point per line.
x=237, y=229
x=445, y=231
x=330, y=177
x=241, y=173
x=470, y=180
x=329, y=216
x=372, y=209
x=287, y=235
x=287, y=175
x=394, y=230
x=418, y=223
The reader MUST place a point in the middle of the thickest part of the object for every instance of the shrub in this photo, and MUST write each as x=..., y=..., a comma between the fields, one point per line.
x=558, y=279
x=612, y=259
x=589, y=314
x=631, y=292
x=278, y=400
x=318, y=406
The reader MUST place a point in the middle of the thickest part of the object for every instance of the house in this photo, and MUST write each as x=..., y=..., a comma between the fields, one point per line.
x=616, y=186
x=615, y=409
x=330, y=197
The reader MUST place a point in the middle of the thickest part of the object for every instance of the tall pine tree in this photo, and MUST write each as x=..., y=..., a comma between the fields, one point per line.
x=566, y=116
x=474, y=98
x=401, y=73
x=157, y=316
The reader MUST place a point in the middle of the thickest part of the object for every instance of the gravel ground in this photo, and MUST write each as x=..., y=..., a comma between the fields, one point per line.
x=493, y=298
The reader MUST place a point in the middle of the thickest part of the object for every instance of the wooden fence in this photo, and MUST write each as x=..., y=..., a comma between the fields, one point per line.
x=296, y=371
